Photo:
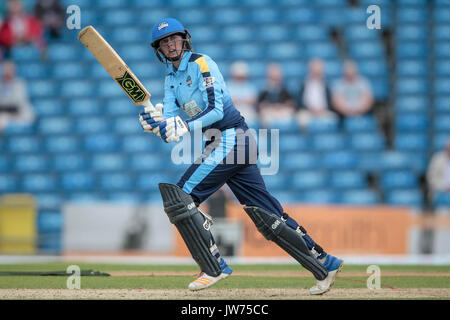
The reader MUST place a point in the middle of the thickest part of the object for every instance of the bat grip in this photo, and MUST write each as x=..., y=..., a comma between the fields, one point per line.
x=146, y=103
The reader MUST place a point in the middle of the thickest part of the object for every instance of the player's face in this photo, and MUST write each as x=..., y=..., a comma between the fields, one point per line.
x=171, y=46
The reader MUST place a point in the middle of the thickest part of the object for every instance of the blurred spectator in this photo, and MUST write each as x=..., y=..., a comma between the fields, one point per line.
x=51, y=14
x=20, y=28
x=314, y=95
x=14, y=103
x=438, y=173
x=352, y=95
x=275, y=103
x=242, y=91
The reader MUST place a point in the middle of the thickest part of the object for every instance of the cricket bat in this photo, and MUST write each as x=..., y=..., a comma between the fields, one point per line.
x=114, y=65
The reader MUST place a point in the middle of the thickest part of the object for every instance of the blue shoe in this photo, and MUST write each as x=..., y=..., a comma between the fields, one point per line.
x=333, y=266
x=204, y=281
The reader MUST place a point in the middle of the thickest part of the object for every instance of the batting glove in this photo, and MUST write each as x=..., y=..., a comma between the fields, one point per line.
x=151, y=117
x=172, y=129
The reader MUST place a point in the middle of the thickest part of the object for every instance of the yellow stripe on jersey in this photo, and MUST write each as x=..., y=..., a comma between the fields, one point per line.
x=202, y=64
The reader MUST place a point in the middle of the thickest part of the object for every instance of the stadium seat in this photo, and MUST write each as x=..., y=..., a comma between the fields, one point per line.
x=278, y=181
x=61, y=143
x=292, y=143
x=306, y=180
x=411, y=123
x=149, y=182
x=48, y=107
x=5, y=163
x=77, y=88
x=109, y=182
x=348, y=180
x=69, y=70
x=323, y=125
x=85, y=107
x=321, y=196
x=411, y=142
x=49, y=201
x=147, y=162
x=398, y=179
x=91, y=125
x=405, y=197
x=108, y=162
x=367, y=142
x=442, y=124
x=24, y=144
x=77, y=181
x=42, y=88
x=100, y=142
x=299, y=161
x=30, y=162
x=360, y=124
x=55, y=125
x=301, y=15
x=69, y=162
x=8, y=182
x=235, y=33
x=49, y=220
x=340, y=160
x=38, y=182
x=328, y=142
x=359, y=197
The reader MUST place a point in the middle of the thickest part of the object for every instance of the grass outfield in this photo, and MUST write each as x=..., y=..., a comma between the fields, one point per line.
x=288, y=281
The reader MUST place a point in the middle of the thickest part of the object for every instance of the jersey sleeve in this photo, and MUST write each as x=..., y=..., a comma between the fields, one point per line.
x=211, y=85
x=170, y=104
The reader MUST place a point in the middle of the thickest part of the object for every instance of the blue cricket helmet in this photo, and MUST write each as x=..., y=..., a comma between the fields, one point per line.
x=165, y=28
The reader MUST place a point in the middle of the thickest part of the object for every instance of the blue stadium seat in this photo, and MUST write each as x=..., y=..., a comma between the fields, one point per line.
x=32, y=70
x=405, y=197
x=204, y=33
x=398, y=179
x=77, y=88
x=55, y=125
x=394, y=160
x=64, y=52
x=237, y=33
x=61, y=143
x=115, y=181
x=137, y=143
x=48, y=106
x=119, y=107
x=77, y=180
x=412, y=86
x=23, y=144
x=407, y=103
x=84, y=107
x=127, y=125
x=49, y=201
x=441, y=200
x=229, y=16
x=273, y=32
x=321, y=196
x=278, y=181
x=312, y=32
x=442, y=104
x=101, y=142
x=148, y=161
x=340, y=160
x=441, y=50
x=108, y=162
x=284, y=50
x=49, y=220
x=411, y=122
x=185, y=3
x=328, y=142
x=360, y=33
x=367, y=142
x=293, y=69
x=286, y=197
x=108, y=89
x=365, y=123
x=306, y=180
x=442, y=124
x=42, y=88
x=118, y=17
x=411, y=49
x=134, y=52
x=19, y=129
x=441, y=85
x=124, y=197
x=38, y=182
x=90, y=125
x=367, y=50
x=8, y=183
x=23, y=53
x=265, y=15
x=411, y=142
x=149, y=182
x=359, y=197
x=214, y=50
x=69, y=162
x=442, y=67
x=325, y=50
x=373, y=68
x=285, y=126
x=348, y=179
x=301, y=15
x=439, y=141
x=412, y=68
x=5, y=163
x=323, y=125
x=442, y=32
x=292, y=143
x=411, y=33
x=108, y=4
x=30, y=162
x=411, y=15
x=246, y=51
x=299, y=161
x=69, y=70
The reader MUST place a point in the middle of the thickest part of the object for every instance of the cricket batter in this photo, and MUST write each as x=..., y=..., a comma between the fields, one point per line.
x=195, y=96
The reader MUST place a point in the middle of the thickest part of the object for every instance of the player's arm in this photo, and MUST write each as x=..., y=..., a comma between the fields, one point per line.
x=212, y=89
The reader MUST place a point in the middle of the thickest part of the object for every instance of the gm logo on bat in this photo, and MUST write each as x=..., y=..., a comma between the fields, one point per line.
x=131, y=87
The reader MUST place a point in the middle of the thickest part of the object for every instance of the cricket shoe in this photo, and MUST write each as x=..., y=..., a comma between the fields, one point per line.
x=204, y=281
x=333, y=266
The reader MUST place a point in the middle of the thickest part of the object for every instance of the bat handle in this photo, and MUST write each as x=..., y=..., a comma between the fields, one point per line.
x=147, y=104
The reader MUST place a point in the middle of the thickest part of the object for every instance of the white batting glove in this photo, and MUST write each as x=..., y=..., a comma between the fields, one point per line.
x=151, y=117
x=172, y=129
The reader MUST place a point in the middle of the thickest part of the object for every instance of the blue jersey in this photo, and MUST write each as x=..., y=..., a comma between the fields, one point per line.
x=197, y=93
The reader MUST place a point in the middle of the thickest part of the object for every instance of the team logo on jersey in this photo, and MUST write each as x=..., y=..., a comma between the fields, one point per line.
x=208, y=82
x=189, y=81
x=163, y=25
